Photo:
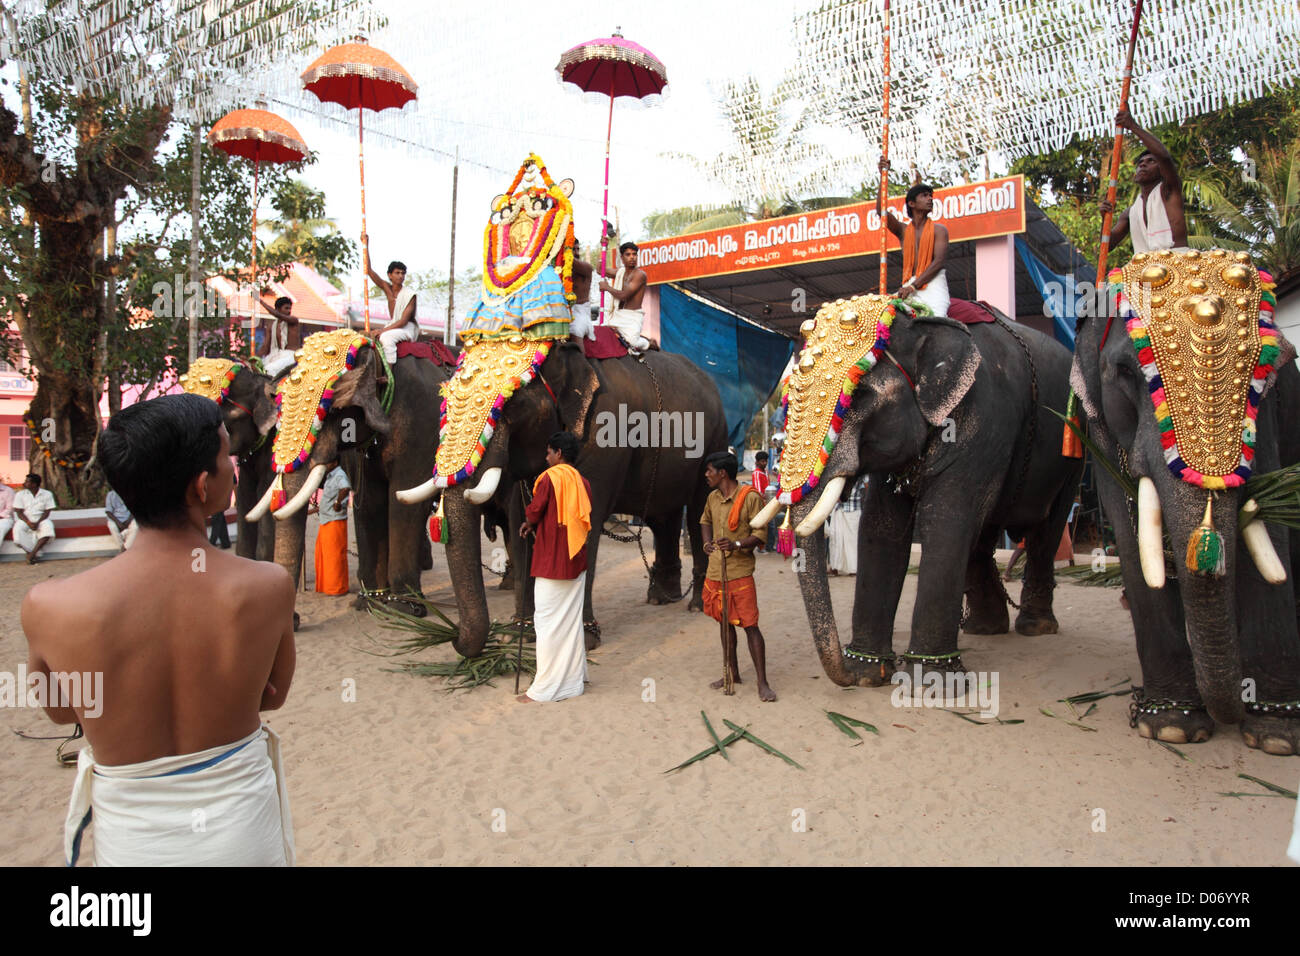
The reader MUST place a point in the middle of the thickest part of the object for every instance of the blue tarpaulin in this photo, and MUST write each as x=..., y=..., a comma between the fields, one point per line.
x=744, y=360
x=1059, y=293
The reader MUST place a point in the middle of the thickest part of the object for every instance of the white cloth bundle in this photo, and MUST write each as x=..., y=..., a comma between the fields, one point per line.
x=561, y=649
x=1152, y=230
x=842, y=529
x=226, y=806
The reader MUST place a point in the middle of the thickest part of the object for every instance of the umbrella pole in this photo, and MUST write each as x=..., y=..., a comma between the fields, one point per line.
x=884, y=173
x=1117, y=152
x=604, y=214
x=252, y=314
x=361, y=163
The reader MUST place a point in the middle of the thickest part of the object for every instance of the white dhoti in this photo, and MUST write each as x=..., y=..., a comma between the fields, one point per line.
x=580, y=325
x=627, y=322
x=561, y=650
x=410, y=332
x=842, y=529
x=26, y=538
x=6, y=525
x=277, y=361
x=935, y=294
x=1293, y=851
x=123, y=539
x=1148, y=222
x=226, y=806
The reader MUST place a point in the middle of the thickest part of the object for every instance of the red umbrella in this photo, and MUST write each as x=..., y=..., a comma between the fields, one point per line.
x=614, y=67
x=358, y=76
x=262, y=137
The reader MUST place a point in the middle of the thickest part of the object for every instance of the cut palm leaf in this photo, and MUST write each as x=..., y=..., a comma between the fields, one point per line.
x=712, y=733
x=766, y=746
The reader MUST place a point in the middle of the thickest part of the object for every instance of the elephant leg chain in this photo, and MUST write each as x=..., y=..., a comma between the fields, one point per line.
x=1142, y=706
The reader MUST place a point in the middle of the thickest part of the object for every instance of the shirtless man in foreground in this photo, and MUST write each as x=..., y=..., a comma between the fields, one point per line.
x=192, y=642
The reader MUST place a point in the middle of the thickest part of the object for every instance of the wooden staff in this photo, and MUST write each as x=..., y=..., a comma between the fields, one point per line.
x=361, y=163
x=884, y=173
x=728, y=687
x=528, y=543
x=1117, y=151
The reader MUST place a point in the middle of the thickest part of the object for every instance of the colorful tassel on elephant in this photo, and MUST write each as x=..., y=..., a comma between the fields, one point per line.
x=1071, y=444
x=435, y=525
x=278, y=496
x=785, y=537
x=1205, y=552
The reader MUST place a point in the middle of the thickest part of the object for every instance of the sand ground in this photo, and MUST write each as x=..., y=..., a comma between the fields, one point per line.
x=409, y=774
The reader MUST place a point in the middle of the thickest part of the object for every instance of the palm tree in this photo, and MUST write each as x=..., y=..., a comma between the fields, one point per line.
x=302, y=231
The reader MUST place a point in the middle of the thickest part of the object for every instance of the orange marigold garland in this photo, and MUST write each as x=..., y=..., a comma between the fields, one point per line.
x=557, y=225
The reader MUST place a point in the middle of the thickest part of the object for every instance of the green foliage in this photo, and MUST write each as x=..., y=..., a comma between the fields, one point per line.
x=304, y=234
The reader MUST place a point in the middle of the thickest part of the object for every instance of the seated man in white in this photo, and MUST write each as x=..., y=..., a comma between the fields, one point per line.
x=188, y=644
x=6, y=510
x=628, y=291
x=925, y=250
x=33, y=529
x=283, y=338
x=402, y=326
x=120, y=523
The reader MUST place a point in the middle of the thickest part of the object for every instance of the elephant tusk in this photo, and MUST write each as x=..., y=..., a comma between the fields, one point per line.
x=424, y=492
x=259, y=510
x=299, y=500
x=822, y=510
x=1151, y=548
x=1260, y=546
x=765, y=516
x=486, y=487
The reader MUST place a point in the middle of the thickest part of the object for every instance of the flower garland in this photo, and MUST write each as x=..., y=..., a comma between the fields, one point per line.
x=1268, y=354
x=556, y=223
x=851, y=380
x=515, y=383
x=44, y=448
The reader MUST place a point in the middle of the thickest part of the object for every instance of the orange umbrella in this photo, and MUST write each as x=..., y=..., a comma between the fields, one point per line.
x=262, y=137
x=358, y=76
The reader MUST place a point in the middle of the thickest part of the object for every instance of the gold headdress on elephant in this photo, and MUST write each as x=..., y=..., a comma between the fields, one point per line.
x=525, y=307
x=1201, y=323
x=211, y=377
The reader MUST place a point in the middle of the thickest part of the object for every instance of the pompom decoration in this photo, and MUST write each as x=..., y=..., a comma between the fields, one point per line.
x=785, y=537
x=1205, y=552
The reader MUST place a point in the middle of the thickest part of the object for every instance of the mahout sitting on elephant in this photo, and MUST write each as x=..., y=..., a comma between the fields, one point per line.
x=952, y=424
x=1188, y=390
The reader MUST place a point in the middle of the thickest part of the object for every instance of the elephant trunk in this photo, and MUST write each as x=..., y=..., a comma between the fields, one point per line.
x=816, y=591
x=298, y=500
x=464, y=558
x=291, y=532
x=1209, y=602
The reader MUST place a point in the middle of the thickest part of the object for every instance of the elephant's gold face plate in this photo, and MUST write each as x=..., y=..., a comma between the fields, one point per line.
x=209, y=377
x=486, y=376
x=1200, y=312
x=323, y=357
x=840, y=344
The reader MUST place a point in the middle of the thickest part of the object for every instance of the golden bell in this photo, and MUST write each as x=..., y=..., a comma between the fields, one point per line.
x=1237, y=275
x=848, y=319
x=205, y=379
x=1155, y=276
x=330, y=350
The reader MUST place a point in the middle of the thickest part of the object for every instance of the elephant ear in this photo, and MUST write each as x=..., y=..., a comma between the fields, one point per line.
x=1285, y=356
x=265, y=414
x=358, y=388
x=577, y=387
x=945, y=368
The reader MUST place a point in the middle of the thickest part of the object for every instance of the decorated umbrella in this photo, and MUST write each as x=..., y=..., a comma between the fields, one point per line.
x=613, y=67
x=262, y=137
x=358, y=76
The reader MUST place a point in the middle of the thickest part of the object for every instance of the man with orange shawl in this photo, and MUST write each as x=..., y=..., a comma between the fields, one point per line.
x=332, y=538
x=925, y=250
x=559, y=518
x=725, y=524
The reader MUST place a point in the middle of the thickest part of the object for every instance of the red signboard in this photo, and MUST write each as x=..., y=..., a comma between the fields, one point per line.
x=974, y=211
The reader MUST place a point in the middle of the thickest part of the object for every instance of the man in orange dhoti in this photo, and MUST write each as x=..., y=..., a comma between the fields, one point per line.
x=725, y=524
x=332, y=539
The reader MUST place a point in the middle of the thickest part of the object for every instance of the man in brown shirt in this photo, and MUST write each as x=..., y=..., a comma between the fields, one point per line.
x=725, y=524
x=559, y=518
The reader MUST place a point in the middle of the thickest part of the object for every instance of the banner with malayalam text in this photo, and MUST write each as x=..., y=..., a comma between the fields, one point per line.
x=974, y=211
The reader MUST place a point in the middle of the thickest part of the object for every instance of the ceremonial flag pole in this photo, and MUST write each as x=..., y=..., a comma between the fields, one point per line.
x=1117, y=151
x=884, y=172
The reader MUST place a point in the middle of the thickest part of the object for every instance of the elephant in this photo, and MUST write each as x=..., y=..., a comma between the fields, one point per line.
x=380, y=452
x=1198, y=635
x=952, y=425
x=249, y=413
x=627, y=476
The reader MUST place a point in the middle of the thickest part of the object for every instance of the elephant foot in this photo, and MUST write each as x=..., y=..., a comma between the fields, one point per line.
x=1189, y=725
x=412, y=607
x=507, y=582
x=296, y=621
x=591, y=635
x=866, y=669
x=1279, y=736
x=1034, y=621
x=997, y=624
x=360, y=602
x=986, y=615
